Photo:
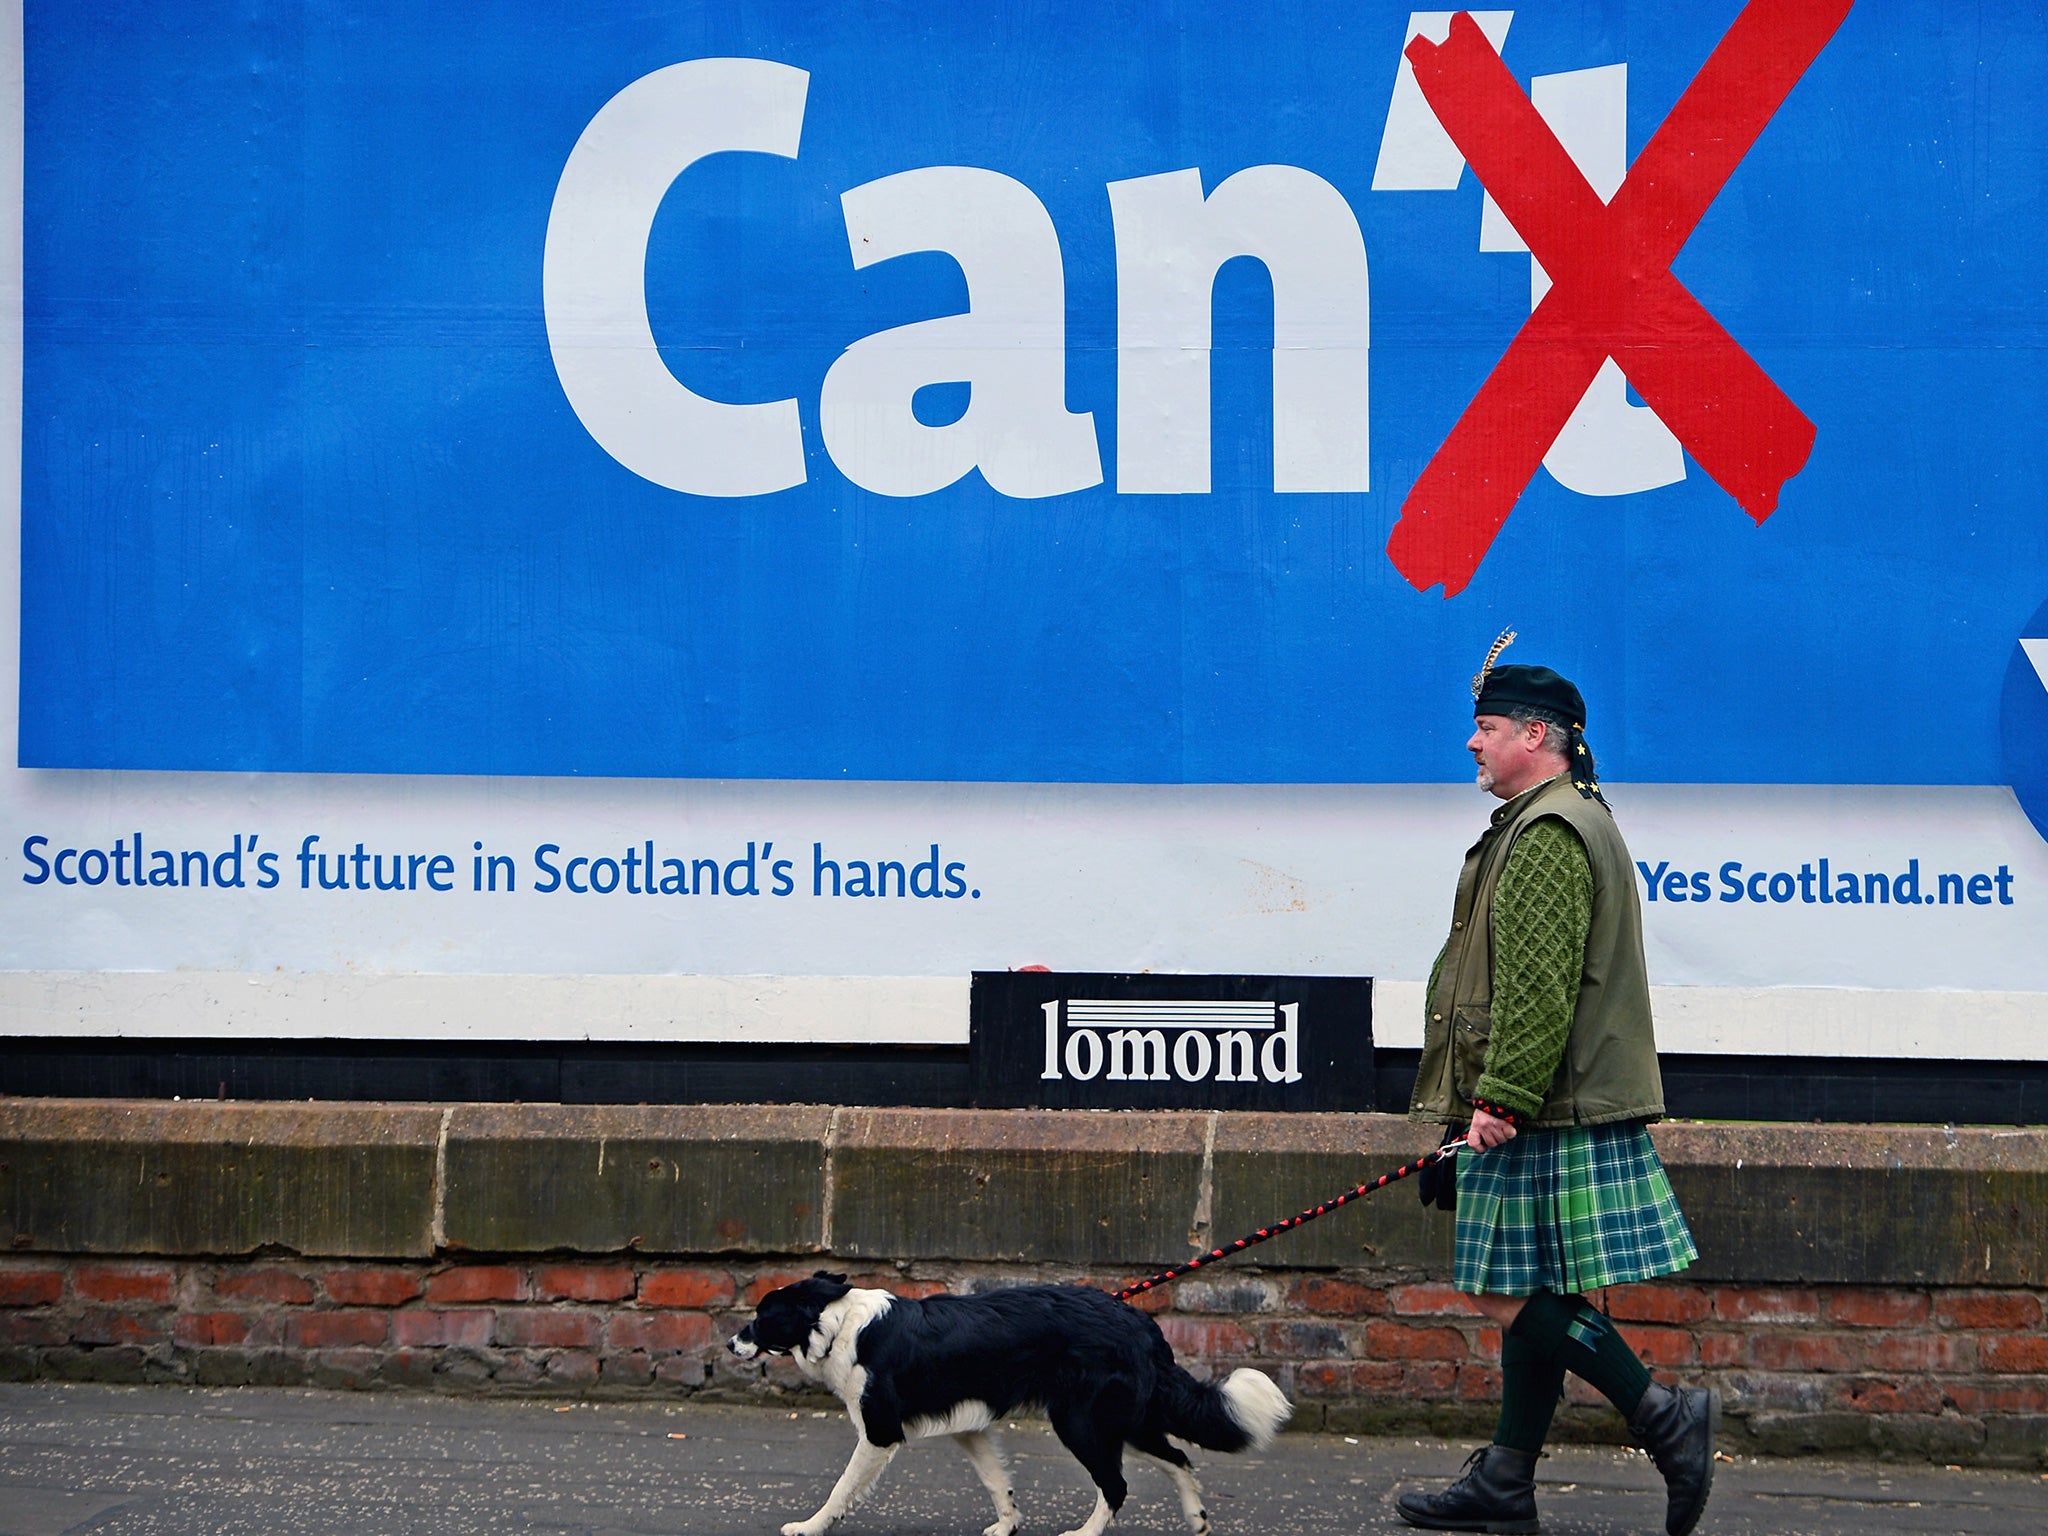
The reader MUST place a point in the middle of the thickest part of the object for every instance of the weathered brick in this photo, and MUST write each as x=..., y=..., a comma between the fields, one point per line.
x=2007, y=1311
x=697, y=1289
x=1429, y=1301
x=761, y=1285
x=1890, y=1396
x=680, y=1370
x=2022, y=1353
x=1657, y=1303
x=1876, y=1309
x=2010, y=1394
x=1210, y=1339
x=476, y=1282
x=39, y=1330
x=1722, y=1349
x=1430, y=1383
x=1326, y=1378
x=206, y=1330
x=1401, y=1341
x=517, y=1371
x=1479, y=1383
x=96, y=1282
x=659, y=1332
x=547, y=1329
x=104, y=1325
x=574, y=1369
x=1806, y=1351
x=1230, y=1297
x=629, y=1370
x=336, y=1330
x=371, y=1287
x=30, y=1287
x=437, y=1329
x=1302, y=1341
x=582, y=1282
x=272, y=1285
x=1766, y=1304
x=1377, y=1378
x=1336, y=1298
x=1668, y=1347
x=344, y=1370
x=1922, y=1352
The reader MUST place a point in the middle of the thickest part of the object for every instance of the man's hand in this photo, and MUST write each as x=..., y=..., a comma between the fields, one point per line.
x=1488, y=1131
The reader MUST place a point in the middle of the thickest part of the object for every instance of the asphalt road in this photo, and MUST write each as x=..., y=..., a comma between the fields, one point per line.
x=134, y=1460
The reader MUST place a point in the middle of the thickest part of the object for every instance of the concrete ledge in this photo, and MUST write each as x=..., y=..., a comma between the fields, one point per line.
x=531, y=1178
x=1019, y=1185
x=1269, y=1167
x=1870, y=1205
x=99, y=1176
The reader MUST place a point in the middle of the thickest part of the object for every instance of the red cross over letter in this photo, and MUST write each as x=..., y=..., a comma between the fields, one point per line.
x=1612, y=292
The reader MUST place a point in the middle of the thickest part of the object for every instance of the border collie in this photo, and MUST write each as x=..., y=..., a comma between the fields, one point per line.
x=954, y=1365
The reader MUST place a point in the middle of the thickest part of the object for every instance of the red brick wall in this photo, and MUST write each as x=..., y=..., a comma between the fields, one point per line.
x=1951, y=1374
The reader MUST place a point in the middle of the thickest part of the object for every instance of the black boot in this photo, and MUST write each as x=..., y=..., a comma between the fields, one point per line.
x=1496, y=1494
x=1677, y=1427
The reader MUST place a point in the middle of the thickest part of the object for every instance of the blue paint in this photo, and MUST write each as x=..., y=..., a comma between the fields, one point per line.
x=301, y=490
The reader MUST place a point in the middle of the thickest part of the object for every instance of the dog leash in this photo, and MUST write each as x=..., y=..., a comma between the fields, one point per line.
x=1167, y=1276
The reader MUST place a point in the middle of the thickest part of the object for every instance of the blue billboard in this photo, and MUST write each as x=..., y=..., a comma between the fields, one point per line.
x=1112, y=393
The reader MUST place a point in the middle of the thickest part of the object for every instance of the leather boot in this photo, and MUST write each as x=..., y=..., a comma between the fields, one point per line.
x=1677, y=1427
x=1496, y=1494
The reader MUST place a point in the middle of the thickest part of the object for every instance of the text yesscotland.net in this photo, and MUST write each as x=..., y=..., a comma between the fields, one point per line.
x=1820, y=882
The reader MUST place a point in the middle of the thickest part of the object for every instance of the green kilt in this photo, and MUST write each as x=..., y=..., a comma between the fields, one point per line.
x=1567, y=1211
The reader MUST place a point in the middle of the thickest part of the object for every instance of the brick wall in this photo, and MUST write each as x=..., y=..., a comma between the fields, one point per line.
x=1872, y=1288
x=1944, y=1373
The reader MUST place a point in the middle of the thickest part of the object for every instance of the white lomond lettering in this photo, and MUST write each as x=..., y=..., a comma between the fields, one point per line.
x=1222, y=1042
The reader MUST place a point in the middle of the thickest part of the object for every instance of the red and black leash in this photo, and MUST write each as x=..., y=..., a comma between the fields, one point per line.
x=1167, y=1276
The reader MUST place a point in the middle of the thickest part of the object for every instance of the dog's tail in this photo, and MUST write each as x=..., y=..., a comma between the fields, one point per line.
x=1244, y=1413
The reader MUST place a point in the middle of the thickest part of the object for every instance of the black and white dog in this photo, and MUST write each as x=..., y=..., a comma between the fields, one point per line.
x=954, y=1365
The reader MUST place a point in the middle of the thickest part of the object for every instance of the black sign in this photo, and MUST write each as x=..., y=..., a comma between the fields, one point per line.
x=1093, y=1040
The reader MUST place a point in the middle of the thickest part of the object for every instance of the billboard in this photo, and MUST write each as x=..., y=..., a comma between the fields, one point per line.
x=722, y=521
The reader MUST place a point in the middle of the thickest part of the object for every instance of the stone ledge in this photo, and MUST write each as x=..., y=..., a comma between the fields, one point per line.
x=146, y=1176
x=1769, y=1203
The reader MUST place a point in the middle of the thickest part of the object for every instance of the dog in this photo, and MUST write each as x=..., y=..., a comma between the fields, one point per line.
x=955, y=1365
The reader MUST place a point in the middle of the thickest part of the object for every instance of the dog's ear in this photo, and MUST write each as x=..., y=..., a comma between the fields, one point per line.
x=826, y=1274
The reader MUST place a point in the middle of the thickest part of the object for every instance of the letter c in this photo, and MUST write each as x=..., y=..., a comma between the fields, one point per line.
x=594, y=276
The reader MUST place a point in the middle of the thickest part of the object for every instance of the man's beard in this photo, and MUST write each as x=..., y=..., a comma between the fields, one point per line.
x=1484, y=778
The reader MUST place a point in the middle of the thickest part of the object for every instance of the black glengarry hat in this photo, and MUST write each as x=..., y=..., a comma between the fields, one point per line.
x=1517, y=690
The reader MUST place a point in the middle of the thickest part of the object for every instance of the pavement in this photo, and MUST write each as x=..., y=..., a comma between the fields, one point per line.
x=273, y=1462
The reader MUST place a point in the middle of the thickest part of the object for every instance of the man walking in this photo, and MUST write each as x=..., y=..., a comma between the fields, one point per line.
x=1539, y=1040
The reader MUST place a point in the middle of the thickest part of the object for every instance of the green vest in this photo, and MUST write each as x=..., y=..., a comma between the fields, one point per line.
x=1609, y=1068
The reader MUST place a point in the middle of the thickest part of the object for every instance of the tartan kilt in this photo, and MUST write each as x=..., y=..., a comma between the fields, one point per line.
x=1567, y=1211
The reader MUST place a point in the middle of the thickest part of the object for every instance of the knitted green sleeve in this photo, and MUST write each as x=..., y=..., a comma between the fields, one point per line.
x=1542, y=911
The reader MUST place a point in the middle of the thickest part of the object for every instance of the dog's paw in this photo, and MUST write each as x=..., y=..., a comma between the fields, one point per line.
x=1004, y=1527
x=1198, y=1522
x=807, y=1528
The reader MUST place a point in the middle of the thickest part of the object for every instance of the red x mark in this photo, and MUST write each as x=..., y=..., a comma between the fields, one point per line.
x=1612, y=292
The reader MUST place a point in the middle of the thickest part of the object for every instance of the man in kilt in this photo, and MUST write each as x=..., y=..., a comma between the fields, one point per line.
x=1538, y=1039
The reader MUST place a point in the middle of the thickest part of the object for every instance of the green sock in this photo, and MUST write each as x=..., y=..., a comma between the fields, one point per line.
x=1532, y=1379
x=1587, y=1345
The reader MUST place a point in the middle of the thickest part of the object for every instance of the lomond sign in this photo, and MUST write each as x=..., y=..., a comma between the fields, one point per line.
x=1093, y=1041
